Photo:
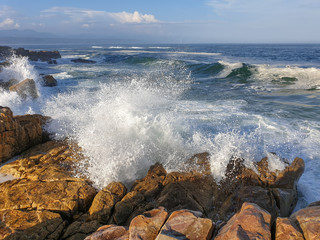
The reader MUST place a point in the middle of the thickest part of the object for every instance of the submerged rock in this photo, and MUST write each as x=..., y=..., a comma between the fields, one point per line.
x=81, y=60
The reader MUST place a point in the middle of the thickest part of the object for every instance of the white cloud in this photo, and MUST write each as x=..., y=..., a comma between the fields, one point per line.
x=136, y=17
x=6, y=11
x=9, y=23
x=87, y=16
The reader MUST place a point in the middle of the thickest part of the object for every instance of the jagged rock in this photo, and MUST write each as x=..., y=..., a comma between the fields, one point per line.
x=147, y=225
x=308, y=219
x=286, y=229
x=184, y=224
x=286, y=200
x=26, y=88
x=19, y=133
x=49, y=81
x=52, y=62
x=80, y=60
x=25, y=225
x=251, y=222
x=103, y=203
x=110, y=232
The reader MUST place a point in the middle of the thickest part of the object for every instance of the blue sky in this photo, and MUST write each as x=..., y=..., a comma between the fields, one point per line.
x=180, y=21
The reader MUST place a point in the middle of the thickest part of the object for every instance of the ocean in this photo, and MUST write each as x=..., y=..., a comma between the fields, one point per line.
x=142, y=104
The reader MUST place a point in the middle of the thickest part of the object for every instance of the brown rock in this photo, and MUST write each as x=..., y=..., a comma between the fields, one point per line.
x=184, y=224
x=103, y=203
x=80, y=230
x=19, y=133
x=24, y=225
x=110, y=232
x=37, y=55
x=286, y=229
x=251, y=222
x=49, y=81
x=308, y=219
x=65, y=197
x=7, y=84
x=26, y=88
x=286, y=200
x=147, y=225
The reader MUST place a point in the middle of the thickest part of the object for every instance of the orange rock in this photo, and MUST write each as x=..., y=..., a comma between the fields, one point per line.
x=251, y=222
x=147, y=225
x=110, y=232
x=286, y=229
x=104, y=201
x=308, y=219
x=184, y=224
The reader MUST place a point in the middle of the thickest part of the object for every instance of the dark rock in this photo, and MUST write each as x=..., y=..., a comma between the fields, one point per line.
x=52, y=62
x=44, y=56
x=80, y=60
x=49, y=81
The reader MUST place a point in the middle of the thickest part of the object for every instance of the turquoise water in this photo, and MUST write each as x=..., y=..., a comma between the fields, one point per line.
x=142, y=104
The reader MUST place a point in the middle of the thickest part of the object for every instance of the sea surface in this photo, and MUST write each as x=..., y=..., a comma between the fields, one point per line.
x=141, y=104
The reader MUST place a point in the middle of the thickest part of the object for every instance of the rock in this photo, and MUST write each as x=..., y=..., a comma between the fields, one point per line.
x=44, y=56
x=184, y=224
x=5, y=51
x=286, y=229
x=286, y=200
x=103, y=203
x=6, y=85
x=147, y=225
x=49, y=81
x=308, y=219
x=52, y=62
x=64, y=197
x=110, y=232
x=24, y=225
x=26, y=88
x=19, y=133
x=80, y=230
x=80, y=60
x=251, y=222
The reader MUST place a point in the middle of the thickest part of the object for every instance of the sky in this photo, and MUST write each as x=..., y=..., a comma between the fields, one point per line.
x=178, y=21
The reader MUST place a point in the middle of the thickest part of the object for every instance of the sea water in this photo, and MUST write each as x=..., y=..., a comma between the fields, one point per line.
x=142, y=104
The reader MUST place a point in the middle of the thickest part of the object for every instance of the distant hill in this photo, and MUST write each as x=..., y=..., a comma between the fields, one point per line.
x=14, y=33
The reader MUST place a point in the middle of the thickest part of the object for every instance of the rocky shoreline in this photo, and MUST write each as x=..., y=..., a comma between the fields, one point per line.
x=47, y=201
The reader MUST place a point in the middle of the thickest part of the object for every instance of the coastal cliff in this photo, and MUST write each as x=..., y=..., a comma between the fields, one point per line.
x=48, y=199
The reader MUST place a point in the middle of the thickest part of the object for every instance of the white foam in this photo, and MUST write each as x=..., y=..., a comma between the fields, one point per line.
x=228, y=67
x=97, y=47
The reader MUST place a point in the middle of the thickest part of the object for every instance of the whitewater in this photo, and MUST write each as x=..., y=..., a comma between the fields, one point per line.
x=143, y=104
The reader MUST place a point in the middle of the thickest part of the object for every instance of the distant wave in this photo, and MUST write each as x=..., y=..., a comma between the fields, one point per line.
x=98, y=47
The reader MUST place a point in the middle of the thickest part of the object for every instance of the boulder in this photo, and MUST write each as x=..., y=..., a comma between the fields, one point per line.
x=286, y=229
x=19, y=133
x=251, y=222
x=110, y=232
x=184, y=224
x=26, y=88
x=104, y=202
x=308, y=220
x=80, y=60
x=147, y=225
x=25, y=225
x=49, y=81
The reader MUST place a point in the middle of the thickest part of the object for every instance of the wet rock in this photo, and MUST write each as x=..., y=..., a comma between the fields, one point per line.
x=184, y=224
x=44, y=56
x=110, y=232
x=26, y=88
x=19, y=133
x=251, y=222
x=24, y=225
x=308, y=219
x=103, y=203
x=49, y=81
x=80, y=60
x=52, y=62
x=7, y=84
x=147, y=225
x=286, y=229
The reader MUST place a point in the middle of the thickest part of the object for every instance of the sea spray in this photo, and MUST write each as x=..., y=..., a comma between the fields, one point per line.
x=19, y=69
